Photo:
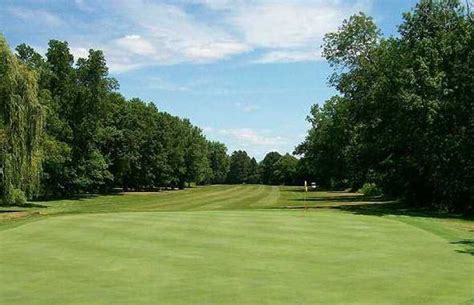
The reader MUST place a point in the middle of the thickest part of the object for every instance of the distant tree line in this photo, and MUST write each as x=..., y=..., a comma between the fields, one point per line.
x=274, y=169
x=404, y=118
x=65, y=130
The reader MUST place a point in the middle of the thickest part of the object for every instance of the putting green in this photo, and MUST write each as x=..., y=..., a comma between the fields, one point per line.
x=230, y=257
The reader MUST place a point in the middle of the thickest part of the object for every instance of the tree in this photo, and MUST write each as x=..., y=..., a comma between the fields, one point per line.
x=239, y=167
x=95, y=139
x=285, y=170
x=196, y=155
x=93, y=87
x=437, y=39
x=57, y=92
x=255, y=176
x=352, y=43
x=267, y=166
x=219, y=162
x=324, y=150
x=404, y=116
x=21, y=120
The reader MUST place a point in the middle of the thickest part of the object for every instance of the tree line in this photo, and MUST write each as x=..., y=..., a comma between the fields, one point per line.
x=403, y=121
x=274, y=169
x=65, y=130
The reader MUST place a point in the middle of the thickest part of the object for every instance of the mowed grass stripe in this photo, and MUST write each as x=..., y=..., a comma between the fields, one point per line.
x=270, y=200
x=229, y=198
x=229, y=257
x=135, y=201
x=245, y=203
x=200, y=198
x=241, y=191
x=237, y=200
x=182, y=202
x=187, y=203
x=215, y=200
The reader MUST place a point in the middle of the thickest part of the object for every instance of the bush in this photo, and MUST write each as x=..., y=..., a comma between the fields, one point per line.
x=370, y=189
x=15, y=197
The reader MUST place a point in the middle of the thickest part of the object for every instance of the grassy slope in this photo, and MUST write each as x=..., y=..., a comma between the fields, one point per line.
x=240, y=245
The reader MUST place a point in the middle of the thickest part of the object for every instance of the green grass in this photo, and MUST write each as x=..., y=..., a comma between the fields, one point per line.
x=233, y=245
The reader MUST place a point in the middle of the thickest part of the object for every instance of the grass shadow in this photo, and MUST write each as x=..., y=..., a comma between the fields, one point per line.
x=312, y=191
x=26, y=205
x=79, y=197
x=342, y=199
x=398, y=209
x=378, y=206
x=370, y=205
x=292, y=190
x=468, y=245
x=10, y=211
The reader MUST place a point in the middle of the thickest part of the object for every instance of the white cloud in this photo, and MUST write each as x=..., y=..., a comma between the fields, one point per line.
x=290, y=31
x=257, y=142
x=251, y=137
x=244, y=107
x=79, y=52
x=207, y=129
x=36, y=16
x=289, y=56
x=219, y=4
x=213, y=51
x=82, y=5
x=165, y=34
x=140, y=33
x=162, y=84
x=136, y=44
x=286, y=25
x=177, y=34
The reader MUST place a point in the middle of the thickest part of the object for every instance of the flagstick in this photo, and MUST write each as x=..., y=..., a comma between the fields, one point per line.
x=304, y=194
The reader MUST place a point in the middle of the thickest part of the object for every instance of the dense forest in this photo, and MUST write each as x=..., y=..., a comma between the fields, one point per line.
x=66, y=130
x=402, y=124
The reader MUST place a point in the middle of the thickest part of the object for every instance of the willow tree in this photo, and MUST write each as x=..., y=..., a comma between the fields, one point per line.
x=21, y=121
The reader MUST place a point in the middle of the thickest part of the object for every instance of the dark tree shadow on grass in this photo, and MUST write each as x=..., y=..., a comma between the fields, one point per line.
x=398, y=209
x=79, y=197
x=342, y=199
x=26, y=205
x=289, y=189
x=374, y=206
x=10, y=211
x=378, y=206
x=468, y=245
x=383, y=207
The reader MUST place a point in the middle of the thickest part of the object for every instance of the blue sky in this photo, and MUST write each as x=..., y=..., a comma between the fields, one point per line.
x=246, y=72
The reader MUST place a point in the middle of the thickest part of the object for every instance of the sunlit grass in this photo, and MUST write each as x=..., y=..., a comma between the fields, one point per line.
x=246, y=244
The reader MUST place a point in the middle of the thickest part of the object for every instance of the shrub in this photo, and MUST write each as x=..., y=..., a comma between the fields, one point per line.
x=15, y=197
x=370, y=189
